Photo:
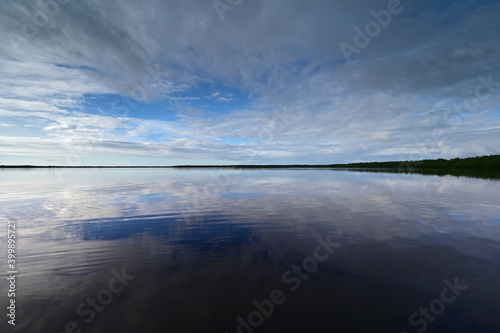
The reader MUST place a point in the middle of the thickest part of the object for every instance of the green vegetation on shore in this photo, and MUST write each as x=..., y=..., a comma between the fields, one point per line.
x=491, y=162
x=482, y=162
x=477, y=167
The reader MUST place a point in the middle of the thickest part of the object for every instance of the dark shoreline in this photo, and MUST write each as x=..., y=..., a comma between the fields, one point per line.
x=491, y=162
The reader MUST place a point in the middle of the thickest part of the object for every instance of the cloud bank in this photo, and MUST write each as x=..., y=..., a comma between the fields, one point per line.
x=163, y=83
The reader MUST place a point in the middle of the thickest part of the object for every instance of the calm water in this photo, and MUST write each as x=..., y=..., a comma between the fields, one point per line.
x=211, y=250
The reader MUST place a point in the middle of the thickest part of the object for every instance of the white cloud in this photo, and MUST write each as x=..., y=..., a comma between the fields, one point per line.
x=387, y=103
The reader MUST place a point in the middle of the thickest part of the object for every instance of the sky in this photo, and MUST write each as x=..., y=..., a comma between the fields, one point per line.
x=159, y=82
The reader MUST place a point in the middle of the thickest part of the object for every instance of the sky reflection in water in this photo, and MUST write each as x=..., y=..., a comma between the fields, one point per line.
x=204, y=244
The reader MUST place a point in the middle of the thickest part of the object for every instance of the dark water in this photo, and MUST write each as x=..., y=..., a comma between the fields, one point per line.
x=162, y=250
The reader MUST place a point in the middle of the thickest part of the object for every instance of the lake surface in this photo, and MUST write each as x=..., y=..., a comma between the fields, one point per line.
x=220, y=250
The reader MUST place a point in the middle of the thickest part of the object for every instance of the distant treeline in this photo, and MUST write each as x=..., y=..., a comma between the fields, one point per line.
x=482, y=162
x=491, y=162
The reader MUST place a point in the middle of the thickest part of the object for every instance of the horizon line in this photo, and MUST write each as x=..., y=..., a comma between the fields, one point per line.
x=234, y=165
